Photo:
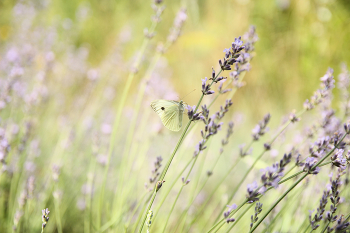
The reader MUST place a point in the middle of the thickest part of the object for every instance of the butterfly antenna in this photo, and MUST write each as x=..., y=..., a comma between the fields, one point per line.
x=189, y=93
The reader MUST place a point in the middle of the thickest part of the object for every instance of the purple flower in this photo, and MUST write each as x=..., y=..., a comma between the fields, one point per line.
x=309, y=163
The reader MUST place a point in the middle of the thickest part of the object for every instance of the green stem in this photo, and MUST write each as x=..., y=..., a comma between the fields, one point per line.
x=276, y=203
x=295, y=184
x=325, y=228
x=170, y=188
x=347, y=218
x=126, y=152
x=162, y=176
x=213, y=192
x=233, y=212
x=253, y=165
x=57, y=210
x=219, y=184
x=306, y=228
x=178, y=194
x=239, y=218
x=118, y=118
x=88, y=196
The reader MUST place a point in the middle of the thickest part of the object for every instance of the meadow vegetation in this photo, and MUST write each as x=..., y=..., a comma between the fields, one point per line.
x=264, y=144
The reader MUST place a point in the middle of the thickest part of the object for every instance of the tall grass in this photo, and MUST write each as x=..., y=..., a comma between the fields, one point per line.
x=80, y=144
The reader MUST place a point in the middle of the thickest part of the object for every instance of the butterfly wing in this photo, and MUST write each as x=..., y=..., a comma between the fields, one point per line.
x=170, y=112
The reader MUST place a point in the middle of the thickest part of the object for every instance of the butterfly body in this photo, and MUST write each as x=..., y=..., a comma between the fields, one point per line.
x=170, y=112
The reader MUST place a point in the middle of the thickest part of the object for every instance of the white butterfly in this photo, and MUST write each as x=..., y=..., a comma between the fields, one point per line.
x=170, y=112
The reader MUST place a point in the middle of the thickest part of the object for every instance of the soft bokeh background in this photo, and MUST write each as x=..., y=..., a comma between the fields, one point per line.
x=298, y=40
x=80, y=54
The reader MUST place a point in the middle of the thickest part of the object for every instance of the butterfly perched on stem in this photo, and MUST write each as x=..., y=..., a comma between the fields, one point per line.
x=170, y=112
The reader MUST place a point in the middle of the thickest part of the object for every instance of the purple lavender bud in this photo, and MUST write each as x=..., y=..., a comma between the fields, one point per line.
x=267, y=146
x=204, y=81
x=219, y=79
x=347, y=128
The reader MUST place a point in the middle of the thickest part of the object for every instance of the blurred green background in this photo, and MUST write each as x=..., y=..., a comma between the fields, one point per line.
x=299, y=40
x=95, y=43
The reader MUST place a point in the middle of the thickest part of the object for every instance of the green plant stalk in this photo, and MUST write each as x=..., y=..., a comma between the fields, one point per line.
x=307, y=228
x=57, y=211
x=276, y=203
x=139, y=99
x=140, y=216
x=196, y=182
x=239, y=218
x=285, y=180
x=287, y=204
x=226, y=86
x=170, y=188
x=328, y=222
x=14, y=186
x=213, y=192
x=232, y=213
x=151, y=201
x=200, y=170
x=130, y=135
x=173, y=154
x=280, y=182
x=135, y=210
x=294, y=185
x=118, y=118
x=178, y=194
x=189, y=161
x=325, y=228
x=164, y=172
x=133, y=181
x=219, y=184
x=193, y=197
x=347, y=217
x=255, y=162
x=88, y=196
x=211, y=103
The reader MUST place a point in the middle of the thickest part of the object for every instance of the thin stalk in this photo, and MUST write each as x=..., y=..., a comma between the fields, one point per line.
x=118, y=118
x=233, y=212
x=276, y=203
x=151, y=201
x=280, y=182
x=226, y=86
x=306, y=228
x=57, y=211
x=178, y=194
x=325, y=228
x=239, y=218
x=347, y=218
x=162, y=176
x=135, y=210
x=287, y=204
x=140, y=216
x=170, y=188
x=88, y=196
x=139, y=100
x=295, y=184
x=126, y=158
x=253, y=165
x=193, y=197
x=213, y=192
x=200, y=170
x=219, y=184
